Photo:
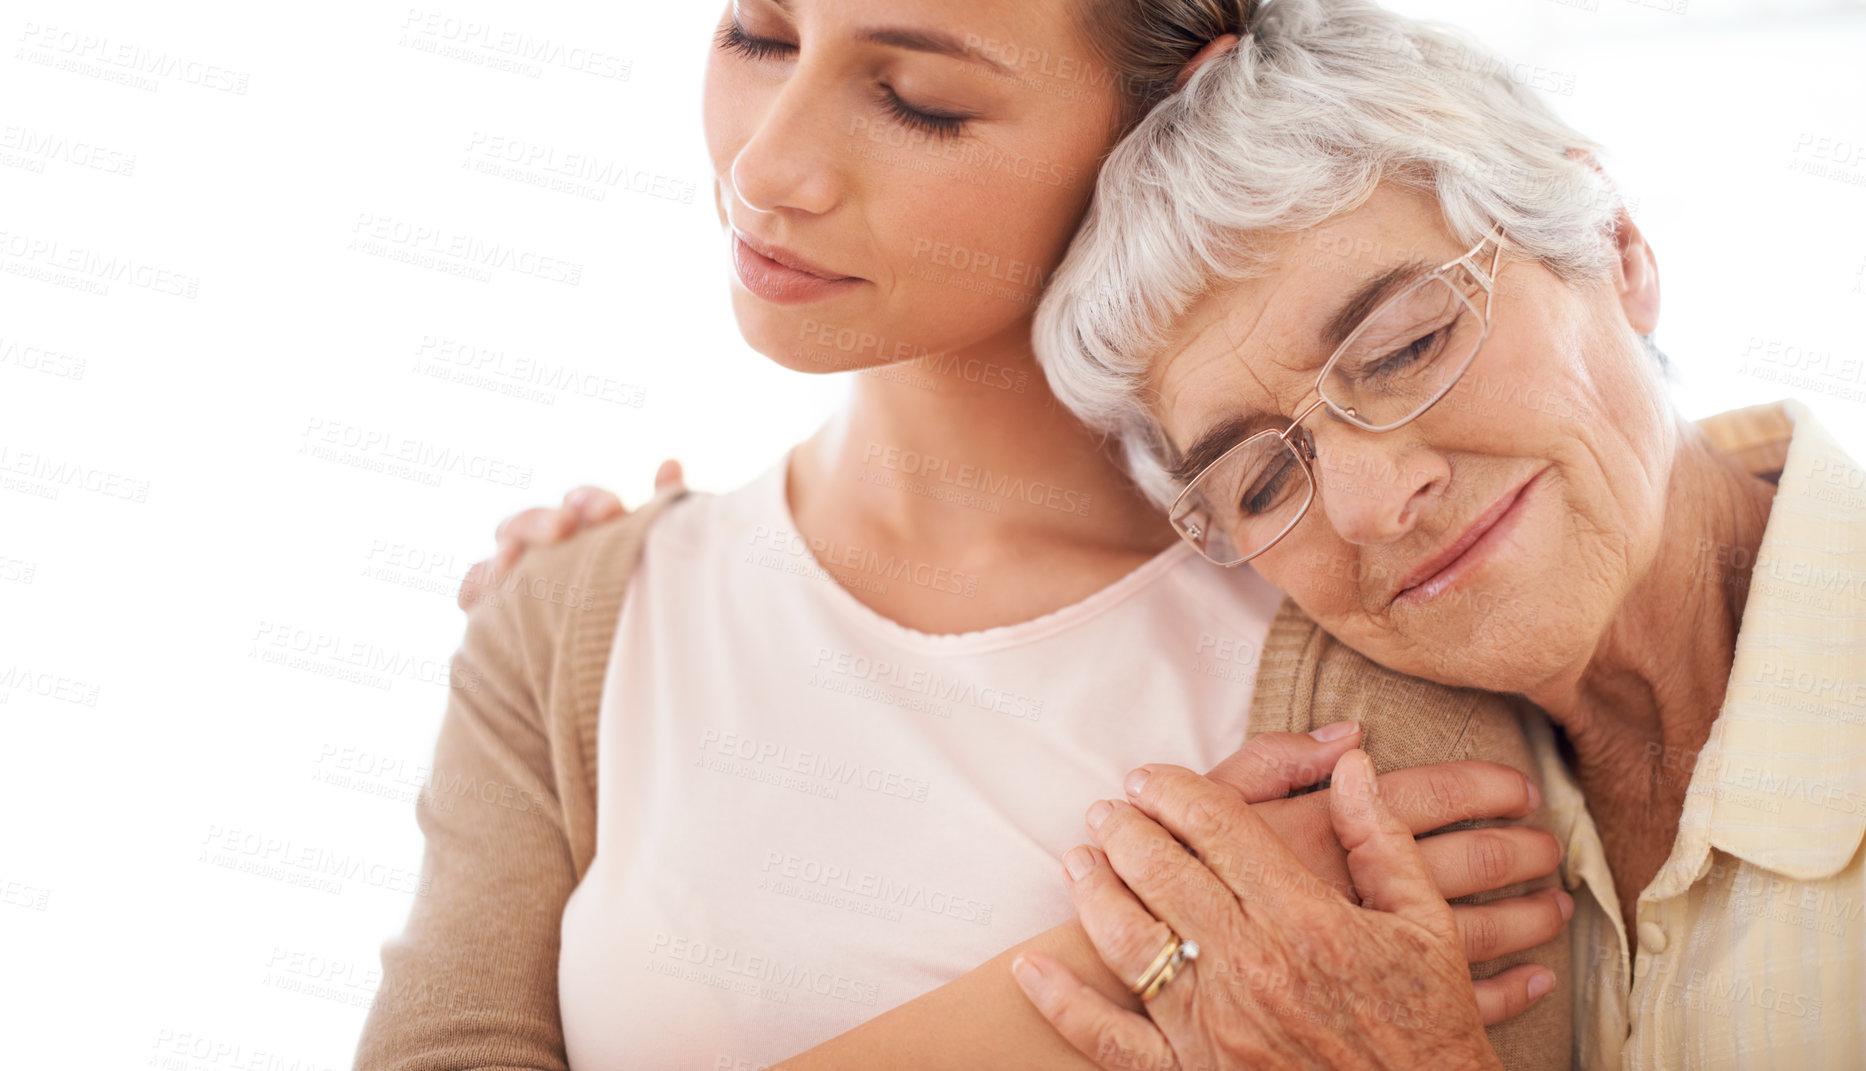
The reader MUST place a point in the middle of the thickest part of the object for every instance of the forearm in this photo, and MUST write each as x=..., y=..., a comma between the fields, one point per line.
x=979, y=1020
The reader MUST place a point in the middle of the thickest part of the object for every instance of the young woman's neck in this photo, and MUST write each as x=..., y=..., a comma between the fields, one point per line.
x=967, y=462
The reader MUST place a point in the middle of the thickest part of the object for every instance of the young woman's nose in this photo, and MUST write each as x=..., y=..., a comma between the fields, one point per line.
x=1375, y=487
x=790, y=161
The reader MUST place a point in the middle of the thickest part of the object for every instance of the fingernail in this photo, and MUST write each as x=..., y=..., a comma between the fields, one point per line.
x=1136, y=781
x=1538, y=986
x=1336, y=731
x=1373, y=780
x=1033, y=981
x=1078, y=861
x=1098, y=813
x=1535, y=796
x=1567, y=905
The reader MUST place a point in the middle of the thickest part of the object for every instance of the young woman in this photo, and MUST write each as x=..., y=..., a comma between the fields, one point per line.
x=825, y=756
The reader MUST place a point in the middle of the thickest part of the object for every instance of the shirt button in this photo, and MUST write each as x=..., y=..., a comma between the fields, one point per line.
x=1651, y=938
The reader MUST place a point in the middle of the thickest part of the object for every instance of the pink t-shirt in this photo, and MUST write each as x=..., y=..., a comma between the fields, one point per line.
x=808, y=814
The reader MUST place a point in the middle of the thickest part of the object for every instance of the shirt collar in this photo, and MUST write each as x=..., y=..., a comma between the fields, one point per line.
x=1781, y=782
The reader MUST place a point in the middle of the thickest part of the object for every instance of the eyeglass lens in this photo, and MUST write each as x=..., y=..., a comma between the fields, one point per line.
x=1397, y=363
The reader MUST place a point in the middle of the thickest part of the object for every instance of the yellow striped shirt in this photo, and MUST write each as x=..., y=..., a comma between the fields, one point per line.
x=1750, y=944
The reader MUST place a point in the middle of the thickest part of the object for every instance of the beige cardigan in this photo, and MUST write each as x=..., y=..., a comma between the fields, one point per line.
x=472, y=980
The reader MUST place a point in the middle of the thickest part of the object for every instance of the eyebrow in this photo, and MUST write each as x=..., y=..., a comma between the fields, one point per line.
x=1216, y=440
x=934, y=41
x=1221, y=437
x=1351, y=312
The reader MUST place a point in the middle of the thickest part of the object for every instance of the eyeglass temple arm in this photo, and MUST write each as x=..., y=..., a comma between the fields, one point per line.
x=1487, y=278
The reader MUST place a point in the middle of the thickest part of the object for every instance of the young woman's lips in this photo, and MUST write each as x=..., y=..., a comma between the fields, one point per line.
x=783, y=278
x=1469, y=551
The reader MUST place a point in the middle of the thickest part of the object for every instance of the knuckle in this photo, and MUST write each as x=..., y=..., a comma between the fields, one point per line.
x=1515, y=998
x=1138, y=940
x=1483, y=934
x=1490, y=858
x=1273, y=749
x=1207, y=815
x=1113, y=1051
x=1446, y=793
x=1153, y=864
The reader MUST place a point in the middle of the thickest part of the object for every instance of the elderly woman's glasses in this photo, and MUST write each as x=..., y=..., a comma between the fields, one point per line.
x=1406, y=355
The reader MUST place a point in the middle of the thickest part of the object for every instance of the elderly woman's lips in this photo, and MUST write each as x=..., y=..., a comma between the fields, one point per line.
x=1468, y=549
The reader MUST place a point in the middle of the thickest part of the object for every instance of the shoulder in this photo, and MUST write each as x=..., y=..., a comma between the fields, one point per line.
x=1308, y=679
x=535, y=655
x=560, y=593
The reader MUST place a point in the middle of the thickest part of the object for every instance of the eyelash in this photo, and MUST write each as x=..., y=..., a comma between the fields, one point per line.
x=1261, y=497
x=938, y=124
x=733, y=38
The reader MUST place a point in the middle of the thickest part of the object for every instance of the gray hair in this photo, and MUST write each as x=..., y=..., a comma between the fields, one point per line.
x=1321, y=103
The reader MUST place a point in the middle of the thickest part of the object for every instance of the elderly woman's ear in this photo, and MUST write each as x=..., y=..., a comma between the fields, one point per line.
x=1636, y=274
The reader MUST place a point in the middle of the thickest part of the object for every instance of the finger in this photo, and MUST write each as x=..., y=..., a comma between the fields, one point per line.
x=1384, y=861
x=1302, y=823
x=1431, y=797
x=1505, y=926
x=1458, y=866
x=668, y=475
x=589, y=505
x=1234, y=842
x=1126, y=936
x=1271, y=765
x=1468, y=861
x=1112, y=1036
x=538, y=526
x=1176, y=888
x=476, y=586
x=1511, y=993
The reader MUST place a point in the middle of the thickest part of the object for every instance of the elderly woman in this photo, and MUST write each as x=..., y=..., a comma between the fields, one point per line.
x=1367, y=316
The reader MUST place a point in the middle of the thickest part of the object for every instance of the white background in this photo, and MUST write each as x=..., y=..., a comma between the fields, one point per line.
x=1738, y=129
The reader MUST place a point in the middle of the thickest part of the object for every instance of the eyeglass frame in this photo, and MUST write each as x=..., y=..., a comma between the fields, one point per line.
x=1305, y=453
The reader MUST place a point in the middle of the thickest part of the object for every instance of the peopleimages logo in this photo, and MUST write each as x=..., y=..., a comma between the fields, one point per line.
x=377, y=234
x=81, y=50
x=441, y=32
x=424, y=458
x=94, y=267
x=977, y=478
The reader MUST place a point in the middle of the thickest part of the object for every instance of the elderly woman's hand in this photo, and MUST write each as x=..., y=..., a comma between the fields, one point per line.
x=1289, y=972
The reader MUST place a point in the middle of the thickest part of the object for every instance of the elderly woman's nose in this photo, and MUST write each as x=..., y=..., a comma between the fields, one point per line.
x=1375, y=493
x=789, y=160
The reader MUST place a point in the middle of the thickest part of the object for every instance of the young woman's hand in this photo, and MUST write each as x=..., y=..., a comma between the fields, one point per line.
x=1289, y=971
x=1460, y=863
x=1423, y=799
x=542, y=526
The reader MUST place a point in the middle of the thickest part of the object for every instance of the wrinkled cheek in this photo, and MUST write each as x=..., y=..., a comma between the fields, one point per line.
x=1325, y=577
